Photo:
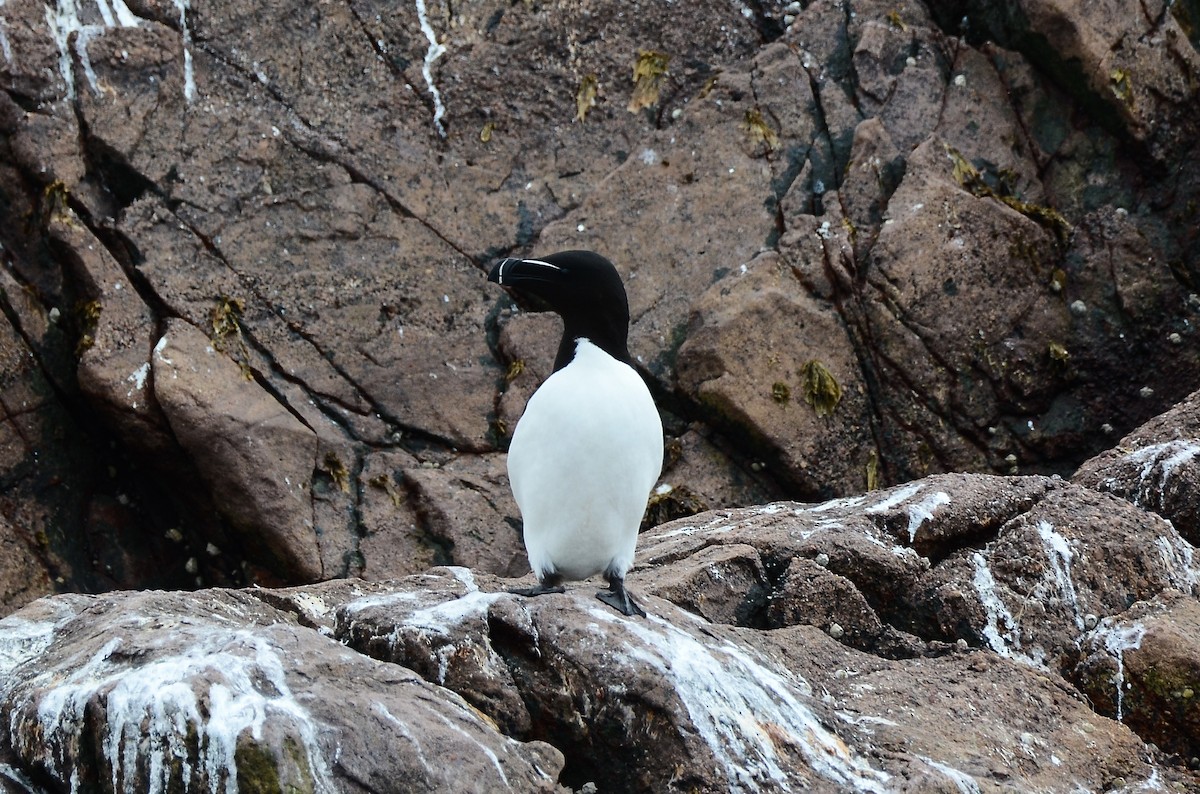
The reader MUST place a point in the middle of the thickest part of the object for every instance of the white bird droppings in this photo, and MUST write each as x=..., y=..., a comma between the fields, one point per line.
x=749, y=715
x=436, y=50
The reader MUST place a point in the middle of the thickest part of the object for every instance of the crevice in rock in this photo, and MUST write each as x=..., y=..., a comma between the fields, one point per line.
x=417, y=438
x=1006, y=24
x=27, y=103
x=442, y=547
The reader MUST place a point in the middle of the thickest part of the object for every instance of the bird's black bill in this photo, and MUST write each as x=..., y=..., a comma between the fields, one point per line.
x=521, y=277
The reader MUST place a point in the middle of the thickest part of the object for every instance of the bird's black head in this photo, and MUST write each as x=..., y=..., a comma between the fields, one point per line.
x=583, y=288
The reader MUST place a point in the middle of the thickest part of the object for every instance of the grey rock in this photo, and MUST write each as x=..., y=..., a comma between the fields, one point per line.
x=216, y=689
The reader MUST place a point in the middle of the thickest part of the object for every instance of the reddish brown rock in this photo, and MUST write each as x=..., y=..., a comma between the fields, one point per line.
x=751, y=358
x=256, y=457
x=1141, y=668
x=236, y=692
x=1157, y=467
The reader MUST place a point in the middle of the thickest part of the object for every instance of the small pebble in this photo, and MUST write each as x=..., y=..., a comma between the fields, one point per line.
x=191, y=566
x=1175, y=339
x=212, y=550
x=836, y=631
x=1106, y=428
x=1146, y=392
x=821, y=559
x=1078, y=308
x=1090, y=621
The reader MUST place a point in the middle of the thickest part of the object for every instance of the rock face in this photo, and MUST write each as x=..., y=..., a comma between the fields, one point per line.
x=936, y=636
x=963, y=632
x=863, y=244
x=948, y=250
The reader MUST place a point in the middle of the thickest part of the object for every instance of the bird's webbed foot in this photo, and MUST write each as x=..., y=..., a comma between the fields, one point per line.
x=617, y=597
x=547, y=584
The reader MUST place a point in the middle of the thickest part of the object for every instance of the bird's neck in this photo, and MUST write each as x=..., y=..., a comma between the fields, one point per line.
x=611, y=337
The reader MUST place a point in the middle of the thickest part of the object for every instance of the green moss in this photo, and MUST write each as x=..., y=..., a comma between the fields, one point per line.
x=514, y=370
x=585, y=97
x=256, y=769
x=821, y=389
x=972, y=181
x=1120, y=85
x=226, y=320
x=872, y=470
x=781, y=393
x=87, y=313
x=385, y=483
x=760, y=131
x=260, y=772
x=337, y=471
x=649, y=71
x=678, y=502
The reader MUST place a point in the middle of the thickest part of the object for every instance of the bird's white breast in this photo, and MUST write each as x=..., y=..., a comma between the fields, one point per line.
x=583, y=459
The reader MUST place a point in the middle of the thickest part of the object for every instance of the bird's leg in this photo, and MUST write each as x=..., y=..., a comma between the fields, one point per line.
x=617, y=597
x=550, y=583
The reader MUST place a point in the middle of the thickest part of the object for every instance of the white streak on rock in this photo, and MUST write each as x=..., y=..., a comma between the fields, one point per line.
x=743, y=709
x=489, y=752
x=961, y=780
x=152, y=709
x=1179, y=557
x=1005, y=641
x=435, y=51
x=1116, y=641
x=1058, y=553
x=22, y=641
x=923, y=510
x=64, y=19
x=894, y=499
x=189, y=76
x=1159, y=463
x=125, y=17
x=382, y=710
x=5, y=47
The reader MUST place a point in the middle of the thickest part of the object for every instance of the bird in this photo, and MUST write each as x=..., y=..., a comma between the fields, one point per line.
x=588, y=449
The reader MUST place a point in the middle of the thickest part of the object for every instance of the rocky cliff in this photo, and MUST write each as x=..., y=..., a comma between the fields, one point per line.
x=963, y=632
x=948, y=250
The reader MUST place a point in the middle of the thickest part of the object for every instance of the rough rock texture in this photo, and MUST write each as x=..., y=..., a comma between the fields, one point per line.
x=962, y=632
x=217, y=690
x=1157, y=467
x=864, y=243
x=245, y=338
x=958, y=633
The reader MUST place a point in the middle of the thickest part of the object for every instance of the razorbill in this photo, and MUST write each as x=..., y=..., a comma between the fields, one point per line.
x=589, y=447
